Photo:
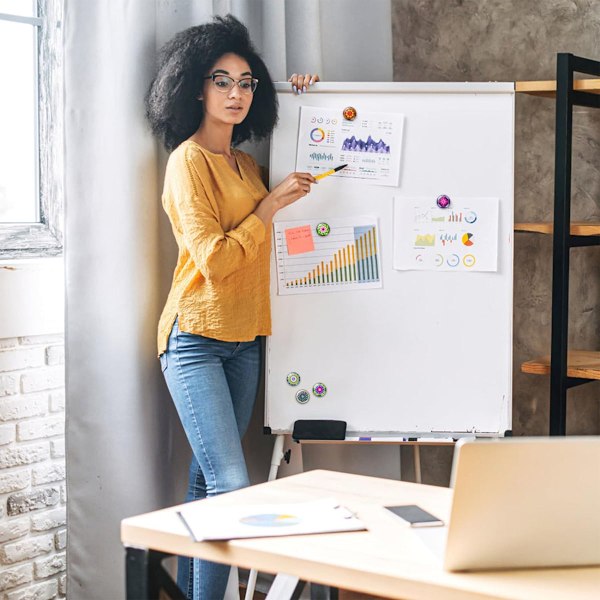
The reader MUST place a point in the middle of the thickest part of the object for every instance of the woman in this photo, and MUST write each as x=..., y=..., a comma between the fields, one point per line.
x=212, y=90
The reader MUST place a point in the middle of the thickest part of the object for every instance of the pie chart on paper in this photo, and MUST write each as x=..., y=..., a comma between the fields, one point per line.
x=270, y=520
x=466, y=239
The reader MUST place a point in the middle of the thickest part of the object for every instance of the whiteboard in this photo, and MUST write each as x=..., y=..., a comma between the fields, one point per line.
x=428, y=352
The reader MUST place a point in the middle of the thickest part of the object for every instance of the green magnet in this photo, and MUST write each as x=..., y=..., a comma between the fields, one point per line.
x=293, y=378
x=323, y=229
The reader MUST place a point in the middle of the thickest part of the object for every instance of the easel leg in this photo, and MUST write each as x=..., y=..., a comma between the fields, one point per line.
x=417, y=455
x=276, y=459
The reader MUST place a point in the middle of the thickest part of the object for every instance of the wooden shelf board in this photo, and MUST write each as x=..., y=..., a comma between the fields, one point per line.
x=577, y=228
x=548, y=88
x=582, y=364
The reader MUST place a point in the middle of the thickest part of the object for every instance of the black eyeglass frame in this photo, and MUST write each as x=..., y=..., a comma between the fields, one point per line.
x=237, y=82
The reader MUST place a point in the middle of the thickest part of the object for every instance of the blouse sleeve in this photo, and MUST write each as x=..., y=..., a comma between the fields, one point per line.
x=215, y=252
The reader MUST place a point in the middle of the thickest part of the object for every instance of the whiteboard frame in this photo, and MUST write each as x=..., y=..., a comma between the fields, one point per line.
x=505, y=421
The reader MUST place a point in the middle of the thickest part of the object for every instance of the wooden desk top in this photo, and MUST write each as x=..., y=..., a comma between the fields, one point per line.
x=388, y=560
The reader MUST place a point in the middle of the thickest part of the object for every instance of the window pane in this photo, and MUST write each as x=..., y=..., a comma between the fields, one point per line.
x=22, y=8
x=18, y=164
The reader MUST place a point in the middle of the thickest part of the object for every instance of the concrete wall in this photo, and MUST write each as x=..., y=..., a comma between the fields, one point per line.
x=511, y=40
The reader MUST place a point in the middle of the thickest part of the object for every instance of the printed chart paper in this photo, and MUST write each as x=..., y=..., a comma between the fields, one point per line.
x=462, y=237
x=206, y=522
x=346, y=255
x=371, y=145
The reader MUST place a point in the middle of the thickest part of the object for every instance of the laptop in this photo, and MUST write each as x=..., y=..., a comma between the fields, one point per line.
x=524, y=502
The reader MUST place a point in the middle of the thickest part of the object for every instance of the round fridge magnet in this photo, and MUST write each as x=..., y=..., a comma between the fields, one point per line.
x=323, y=229
x=319, y=390
x=302, y=396
x=293, y=378
x=443, y=201
x=349, y=113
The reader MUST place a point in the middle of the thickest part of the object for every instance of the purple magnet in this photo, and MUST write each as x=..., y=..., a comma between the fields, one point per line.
x=319, y=390
x=443, y=201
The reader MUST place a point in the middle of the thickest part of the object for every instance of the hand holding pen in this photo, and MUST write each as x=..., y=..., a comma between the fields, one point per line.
x=330, y=172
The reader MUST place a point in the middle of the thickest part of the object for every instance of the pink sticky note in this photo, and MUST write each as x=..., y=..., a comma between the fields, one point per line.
x=299, y=240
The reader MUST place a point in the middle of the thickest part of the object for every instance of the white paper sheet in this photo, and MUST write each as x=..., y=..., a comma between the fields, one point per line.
x=205, y=522
x=346, y=256
x=463, y=237
x=370, y=145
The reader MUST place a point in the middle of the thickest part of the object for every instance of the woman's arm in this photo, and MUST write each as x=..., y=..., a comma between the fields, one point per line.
x=215, y=252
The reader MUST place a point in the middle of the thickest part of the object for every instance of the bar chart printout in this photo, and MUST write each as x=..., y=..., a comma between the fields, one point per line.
x=345, y=256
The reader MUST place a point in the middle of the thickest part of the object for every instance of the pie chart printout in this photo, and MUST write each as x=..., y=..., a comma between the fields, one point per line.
x=463, y=238
x=467, y=239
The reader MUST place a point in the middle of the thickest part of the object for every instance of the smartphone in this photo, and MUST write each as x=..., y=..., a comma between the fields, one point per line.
x=415, y=515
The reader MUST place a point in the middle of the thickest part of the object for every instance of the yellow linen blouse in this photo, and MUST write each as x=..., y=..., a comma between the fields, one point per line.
x=220, y=285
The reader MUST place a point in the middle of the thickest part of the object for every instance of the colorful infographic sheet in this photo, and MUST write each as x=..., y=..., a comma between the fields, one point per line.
x=328, y=255
x=462, y=237
x=370, y=145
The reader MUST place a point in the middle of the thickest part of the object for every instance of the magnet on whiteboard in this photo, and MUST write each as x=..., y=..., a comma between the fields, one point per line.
x=443, y=201
x=349, y=113
x=302, y=396
x=319, y=390
x=323, y=229
x=293, y=378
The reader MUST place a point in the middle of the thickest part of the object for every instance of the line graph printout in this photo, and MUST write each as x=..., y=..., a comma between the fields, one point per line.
x=346, y=256
x=370, y=144
x=463, y=237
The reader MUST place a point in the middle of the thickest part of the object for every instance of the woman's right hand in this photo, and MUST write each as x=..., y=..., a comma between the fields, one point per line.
x=292, y=188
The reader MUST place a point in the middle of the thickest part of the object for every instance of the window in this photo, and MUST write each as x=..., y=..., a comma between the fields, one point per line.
x=31, y=148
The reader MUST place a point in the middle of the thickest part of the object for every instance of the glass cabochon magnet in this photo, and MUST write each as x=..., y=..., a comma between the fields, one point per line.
x=319, y=390
x=302, y=396
x=293, y=378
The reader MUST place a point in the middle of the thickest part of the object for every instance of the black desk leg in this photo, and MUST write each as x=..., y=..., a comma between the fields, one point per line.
x=146, y=578
x=323, y=592
x=137, y=575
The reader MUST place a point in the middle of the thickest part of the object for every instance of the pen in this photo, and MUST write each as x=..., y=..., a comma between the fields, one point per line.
x=330, y=172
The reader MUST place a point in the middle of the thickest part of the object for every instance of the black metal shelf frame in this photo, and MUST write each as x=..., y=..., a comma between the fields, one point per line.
x=563, y=241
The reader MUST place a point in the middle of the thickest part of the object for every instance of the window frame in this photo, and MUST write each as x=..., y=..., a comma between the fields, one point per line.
x=44, y=238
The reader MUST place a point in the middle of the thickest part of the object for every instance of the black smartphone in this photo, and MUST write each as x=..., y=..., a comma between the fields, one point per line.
x=415, y=515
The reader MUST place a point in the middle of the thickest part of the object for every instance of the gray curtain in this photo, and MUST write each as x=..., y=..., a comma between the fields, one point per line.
x=125, y=450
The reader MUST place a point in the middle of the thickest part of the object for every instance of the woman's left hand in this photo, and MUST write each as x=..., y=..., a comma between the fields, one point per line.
x=301, y=83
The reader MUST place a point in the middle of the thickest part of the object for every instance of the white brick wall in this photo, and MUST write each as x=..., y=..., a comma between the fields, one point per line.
x=32, y=468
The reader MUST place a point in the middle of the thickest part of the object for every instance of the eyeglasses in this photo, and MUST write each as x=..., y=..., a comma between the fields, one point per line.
x=225, y=84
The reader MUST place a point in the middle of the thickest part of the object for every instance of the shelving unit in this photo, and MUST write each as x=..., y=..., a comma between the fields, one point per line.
x=567, y=369
x=577, y=228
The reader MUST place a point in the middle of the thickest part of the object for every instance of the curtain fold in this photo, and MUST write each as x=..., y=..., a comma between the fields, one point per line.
x=126, y=453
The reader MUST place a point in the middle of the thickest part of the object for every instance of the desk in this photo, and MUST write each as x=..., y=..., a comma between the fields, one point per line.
x=388, y=560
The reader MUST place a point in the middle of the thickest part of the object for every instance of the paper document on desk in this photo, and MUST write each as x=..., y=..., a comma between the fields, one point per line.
x=207, y=522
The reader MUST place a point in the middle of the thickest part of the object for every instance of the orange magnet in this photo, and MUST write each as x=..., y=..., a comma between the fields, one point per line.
x=349, y=113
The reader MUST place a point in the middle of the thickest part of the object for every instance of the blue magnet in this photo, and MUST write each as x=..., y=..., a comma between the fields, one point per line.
x=443, y=201
x=302, y=396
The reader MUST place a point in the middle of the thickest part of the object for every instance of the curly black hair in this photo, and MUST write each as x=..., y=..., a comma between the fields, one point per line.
x=172, y=105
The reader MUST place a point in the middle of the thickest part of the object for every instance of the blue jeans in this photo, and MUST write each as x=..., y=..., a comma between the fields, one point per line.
x=213, y=385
